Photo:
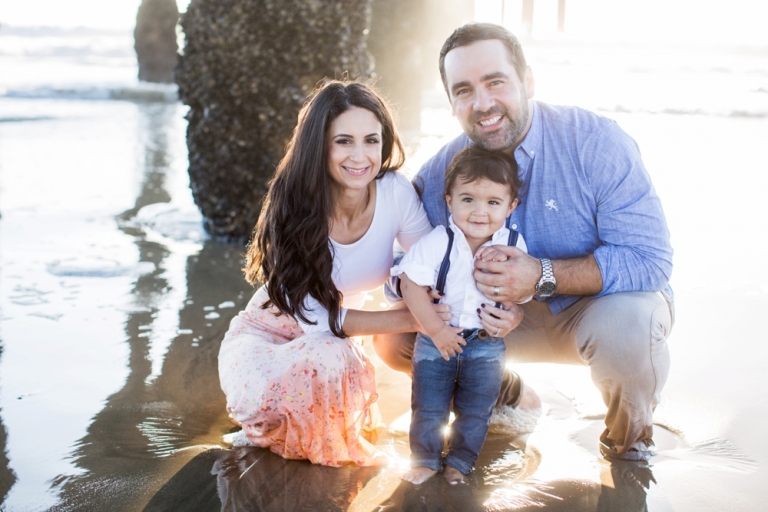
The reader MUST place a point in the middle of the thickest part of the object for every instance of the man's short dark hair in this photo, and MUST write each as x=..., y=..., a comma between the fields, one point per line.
x=475, y=163
x=473, y=32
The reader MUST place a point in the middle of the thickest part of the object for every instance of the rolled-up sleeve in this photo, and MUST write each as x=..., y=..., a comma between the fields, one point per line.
x=635, y=252
x=421, y=263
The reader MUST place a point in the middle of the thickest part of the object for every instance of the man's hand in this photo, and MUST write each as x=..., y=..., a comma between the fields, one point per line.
x=448, y=342
x=515, y=278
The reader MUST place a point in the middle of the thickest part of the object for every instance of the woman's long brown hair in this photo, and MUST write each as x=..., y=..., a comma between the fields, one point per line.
x=290, y=251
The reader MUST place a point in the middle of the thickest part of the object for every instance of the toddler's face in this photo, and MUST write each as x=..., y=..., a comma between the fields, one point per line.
x=479, y=208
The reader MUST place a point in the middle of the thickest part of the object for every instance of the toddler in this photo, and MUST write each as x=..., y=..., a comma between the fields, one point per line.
x=462, y=362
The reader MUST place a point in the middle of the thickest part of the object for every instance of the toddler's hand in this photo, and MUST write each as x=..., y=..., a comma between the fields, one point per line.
x=489, y=253
x=448, y=342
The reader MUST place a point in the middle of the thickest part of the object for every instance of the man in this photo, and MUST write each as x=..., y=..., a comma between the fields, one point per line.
x=599, y=257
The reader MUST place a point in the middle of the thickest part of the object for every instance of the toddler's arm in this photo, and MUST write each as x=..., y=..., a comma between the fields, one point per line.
x=444, y=336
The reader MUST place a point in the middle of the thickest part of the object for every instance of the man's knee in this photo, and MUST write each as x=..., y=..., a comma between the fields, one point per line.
x=395, y=350
x=629, y=329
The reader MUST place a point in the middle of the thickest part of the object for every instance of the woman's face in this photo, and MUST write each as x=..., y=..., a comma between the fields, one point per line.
x=354, y=149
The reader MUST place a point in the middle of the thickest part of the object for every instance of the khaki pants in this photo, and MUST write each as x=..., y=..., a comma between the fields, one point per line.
x=622, y=337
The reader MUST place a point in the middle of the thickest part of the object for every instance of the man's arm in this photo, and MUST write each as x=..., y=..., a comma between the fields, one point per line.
x=517, y=277
x=634, y=253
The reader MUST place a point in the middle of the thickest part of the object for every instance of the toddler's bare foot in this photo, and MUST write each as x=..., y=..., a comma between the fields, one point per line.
x=419, y=475
x=452, y=475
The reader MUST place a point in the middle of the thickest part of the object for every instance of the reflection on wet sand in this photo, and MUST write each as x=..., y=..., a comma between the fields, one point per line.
x=145, y=422
x=157, y=413
x=7, y=477
x=250, y=478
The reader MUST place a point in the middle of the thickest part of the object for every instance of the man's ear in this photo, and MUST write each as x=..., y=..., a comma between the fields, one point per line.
x=529, y=83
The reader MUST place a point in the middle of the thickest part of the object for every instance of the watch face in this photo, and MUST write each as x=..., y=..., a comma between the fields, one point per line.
x=546, y=288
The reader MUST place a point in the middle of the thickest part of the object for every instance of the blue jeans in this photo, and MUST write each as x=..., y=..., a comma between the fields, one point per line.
x=472, y=380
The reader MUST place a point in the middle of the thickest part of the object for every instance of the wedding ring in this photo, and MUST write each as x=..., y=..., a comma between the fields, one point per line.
x=495, y=291
x=497, y=332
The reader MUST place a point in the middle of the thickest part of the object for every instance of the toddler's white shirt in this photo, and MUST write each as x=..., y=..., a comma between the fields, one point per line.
x=422, y=264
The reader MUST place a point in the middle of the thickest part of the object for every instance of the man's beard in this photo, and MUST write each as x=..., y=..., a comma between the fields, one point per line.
x=505, y=137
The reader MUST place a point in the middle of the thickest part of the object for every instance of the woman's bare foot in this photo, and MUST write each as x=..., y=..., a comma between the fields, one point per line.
x=452, y=475
x=419, y=475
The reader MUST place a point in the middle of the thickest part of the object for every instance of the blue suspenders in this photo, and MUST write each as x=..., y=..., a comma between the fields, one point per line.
x=446, y=264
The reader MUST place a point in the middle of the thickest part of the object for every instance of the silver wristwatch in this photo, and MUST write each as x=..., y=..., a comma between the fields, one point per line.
x=547, y=285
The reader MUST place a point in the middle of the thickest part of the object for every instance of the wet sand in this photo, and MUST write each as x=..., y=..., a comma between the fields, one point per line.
x=113, y=305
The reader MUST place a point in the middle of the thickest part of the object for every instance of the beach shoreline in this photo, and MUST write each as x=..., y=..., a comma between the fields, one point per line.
x=113, y=302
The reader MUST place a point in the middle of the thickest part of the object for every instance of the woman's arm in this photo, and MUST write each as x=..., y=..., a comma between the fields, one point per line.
x=393, y=321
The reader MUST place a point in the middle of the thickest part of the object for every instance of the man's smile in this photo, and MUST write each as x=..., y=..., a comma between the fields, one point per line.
x=491, y=122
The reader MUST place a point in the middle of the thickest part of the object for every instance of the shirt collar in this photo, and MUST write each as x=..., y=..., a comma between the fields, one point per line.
x=498, y=238
x=532, y=141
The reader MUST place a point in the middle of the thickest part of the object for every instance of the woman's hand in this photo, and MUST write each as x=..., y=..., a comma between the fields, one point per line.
x=499, y=322
x=442, y=310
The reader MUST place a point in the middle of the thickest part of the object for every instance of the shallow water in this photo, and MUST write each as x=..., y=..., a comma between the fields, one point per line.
x=113, y=304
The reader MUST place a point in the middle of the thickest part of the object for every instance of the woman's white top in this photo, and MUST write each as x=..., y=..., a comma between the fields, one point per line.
x=363, y=266
x=422, y=265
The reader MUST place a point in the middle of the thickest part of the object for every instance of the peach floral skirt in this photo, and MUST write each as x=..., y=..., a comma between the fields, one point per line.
x=302, y=396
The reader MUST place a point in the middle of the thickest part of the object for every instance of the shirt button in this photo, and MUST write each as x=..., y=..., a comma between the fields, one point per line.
x=533, y=152
x=514, y=226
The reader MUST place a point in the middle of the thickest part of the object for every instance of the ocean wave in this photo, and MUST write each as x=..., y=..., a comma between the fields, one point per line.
x=47, y=31
x=621, y=109
x=85, y=266
x=141, y=92
x=83, y=52
x=167, y=221
x=19, y=119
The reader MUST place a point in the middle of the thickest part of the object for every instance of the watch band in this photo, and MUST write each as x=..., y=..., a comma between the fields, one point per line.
x=547, y=284
x=546, y=270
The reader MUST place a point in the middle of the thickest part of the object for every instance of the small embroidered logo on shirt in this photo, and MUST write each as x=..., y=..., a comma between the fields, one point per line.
x=552, y=205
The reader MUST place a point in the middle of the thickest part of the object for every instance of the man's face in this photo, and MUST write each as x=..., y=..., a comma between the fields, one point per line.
x=487, y=97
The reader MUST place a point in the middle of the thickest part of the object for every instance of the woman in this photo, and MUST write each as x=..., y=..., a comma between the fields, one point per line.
x=294, y=379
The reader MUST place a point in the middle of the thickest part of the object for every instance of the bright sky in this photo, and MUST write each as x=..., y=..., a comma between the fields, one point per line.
x=696, y=21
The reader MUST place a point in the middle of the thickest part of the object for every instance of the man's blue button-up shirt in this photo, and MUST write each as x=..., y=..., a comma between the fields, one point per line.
x=584, y=191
